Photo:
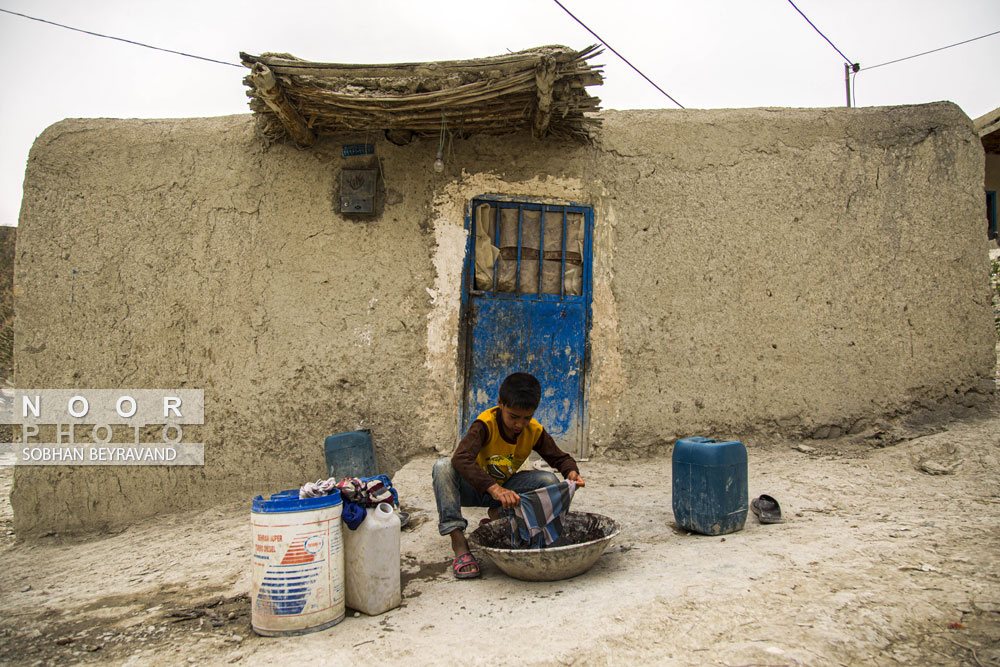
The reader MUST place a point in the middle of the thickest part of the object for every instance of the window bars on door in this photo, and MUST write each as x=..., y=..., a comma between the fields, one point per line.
x=536, y=249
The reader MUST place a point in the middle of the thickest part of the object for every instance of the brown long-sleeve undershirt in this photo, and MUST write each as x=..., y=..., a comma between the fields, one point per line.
x=464, y=458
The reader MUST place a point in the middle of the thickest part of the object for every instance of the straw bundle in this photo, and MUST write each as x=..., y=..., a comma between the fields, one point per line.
x=541, y=89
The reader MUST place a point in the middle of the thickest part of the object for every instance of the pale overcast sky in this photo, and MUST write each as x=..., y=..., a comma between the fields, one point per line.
x=719, y=54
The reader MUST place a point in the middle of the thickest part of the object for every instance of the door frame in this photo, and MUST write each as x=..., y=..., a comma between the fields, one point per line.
x=465, y=311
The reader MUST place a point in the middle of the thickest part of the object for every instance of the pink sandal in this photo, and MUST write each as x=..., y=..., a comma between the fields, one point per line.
x=465, y=566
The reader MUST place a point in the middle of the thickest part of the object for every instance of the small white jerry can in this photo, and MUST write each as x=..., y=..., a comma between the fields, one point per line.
x=371, y=562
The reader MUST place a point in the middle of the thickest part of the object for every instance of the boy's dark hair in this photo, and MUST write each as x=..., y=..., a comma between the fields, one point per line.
x=521, y=391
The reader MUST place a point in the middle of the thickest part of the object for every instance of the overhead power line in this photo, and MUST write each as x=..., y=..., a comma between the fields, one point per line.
x=848, y=60
x=121, y=39
x=611, y=48
x=849, y=65
x=917, y=55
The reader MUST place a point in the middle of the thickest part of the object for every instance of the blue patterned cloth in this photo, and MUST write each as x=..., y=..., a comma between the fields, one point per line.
x=537, y=521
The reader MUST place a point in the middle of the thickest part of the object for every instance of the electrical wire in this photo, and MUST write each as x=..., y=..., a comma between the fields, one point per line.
x=849, y=61
x=854, y=77
x=611, y=48
x=899, y=60
x=120, y=39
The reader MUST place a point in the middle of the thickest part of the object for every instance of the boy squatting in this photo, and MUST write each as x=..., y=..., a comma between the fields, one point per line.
x=483, y=471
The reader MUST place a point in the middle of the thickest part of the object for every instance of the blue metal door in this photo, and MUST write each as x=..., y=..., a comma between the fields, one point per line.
x=526, y=301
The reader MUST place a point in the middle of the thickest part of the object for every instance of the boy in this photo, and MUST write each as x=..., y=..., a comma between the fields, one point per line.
x=483, y=471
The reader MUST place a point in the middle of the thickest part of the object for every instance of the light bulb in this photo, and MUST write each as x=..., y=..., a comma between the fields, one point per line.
x=439, y=161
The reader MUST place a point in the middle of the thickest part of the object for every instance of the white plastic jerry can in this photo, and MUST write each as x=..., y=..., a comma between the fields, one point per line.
x=371, y=562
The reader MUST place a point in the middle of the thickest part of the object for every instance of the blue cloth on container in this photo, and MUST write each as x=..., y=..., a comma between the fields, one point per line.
x=357, y=494
x=537, y=520
x=352, y=514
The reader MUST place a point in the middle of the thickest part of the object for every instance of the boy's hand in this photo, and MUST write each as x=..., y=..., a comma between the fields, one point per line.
x=574, y=476
x=507, y=498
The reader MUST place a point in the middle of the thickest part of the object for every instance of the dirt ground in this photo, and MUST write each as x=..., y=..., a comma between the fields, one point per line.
x=879, y=562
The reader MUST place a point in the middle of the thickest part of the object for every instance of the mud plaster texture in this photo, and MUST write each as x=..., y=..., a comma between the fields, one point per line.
x=798, y=272
x=771, y=268
x=209, y=261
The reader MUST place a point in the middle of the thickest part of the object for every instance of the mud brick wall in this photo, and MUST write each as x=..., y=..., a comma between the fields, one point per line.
x=802, y=272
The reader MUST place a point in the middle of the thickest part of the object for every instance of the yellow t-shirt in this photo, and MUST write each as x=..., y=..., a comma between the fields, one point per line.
x=499, y=458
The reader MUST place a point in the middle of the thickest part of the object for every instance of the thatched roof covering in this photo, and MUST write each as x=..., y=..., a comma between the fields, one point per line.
x=542, y=90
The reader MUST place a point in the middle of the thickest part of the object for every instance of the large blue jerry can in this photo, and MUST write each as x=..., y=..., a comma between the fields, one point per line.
x=350, y=454
x=710, y=485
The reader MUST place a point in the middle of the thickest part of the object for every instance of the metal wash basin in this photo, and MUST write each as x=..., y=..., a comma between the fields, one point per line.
x=585, y=537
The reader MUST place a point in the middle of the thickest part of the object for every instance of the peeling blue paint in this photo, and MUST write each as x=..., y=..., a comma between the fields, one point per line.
x=521, y=330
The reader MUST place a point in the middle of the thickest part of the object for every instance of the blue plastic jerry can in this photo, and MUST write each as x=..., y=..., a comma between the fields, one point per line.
x=710, y=485
x=350, y=454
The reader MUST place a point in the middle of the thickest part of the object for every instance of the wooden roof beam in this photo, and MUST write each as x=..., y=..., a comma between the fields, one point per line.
x=545, y=79
x=271, y=92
